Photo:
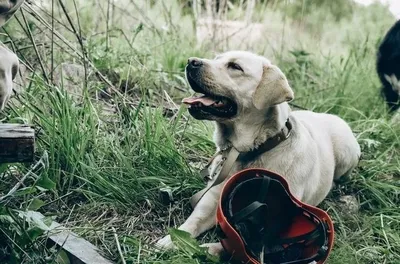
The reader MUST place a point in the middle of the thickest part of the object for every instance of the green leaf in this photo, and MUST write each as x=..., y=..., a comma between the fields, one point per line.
x=189, y=245
x=35, y=232
x=46, y=183
x=23, y=240
x=24, y=191
x=62, y=257
x=35, y=204
x=6, y=219
x=3, y=168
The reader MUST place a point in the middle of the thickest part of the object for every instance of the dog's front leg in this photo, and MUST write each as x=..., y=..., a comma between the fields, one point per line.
x=202, y=218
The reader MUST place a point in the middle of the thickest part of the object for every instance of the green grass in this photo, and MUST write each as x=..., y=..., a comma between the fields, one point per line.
x=100, y=170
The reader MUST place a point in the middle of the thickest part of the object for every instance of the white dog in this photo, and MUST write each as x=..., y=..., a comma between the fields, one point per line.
x=9, y=61
x=8, y=70
x=247, y=98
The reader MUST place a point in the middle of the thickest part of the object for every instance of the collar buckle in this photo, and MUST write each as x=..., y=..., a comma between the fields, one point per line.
x=289, y=127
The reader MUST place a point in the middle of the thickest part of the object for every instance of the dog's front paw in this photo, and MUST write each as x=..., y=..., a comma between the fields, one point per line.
x=214, y=249
x=165, y=243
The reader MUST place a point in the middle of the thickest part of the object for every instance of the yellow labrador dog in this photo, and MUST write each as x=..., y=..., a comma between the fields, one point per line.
x=8, y=70
x=248, y=97
x=9, y=61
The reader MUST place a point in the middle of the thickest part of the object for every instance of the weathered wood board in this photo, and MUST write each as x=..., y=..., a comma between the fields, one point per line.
x=17, y=143
x=79, y=250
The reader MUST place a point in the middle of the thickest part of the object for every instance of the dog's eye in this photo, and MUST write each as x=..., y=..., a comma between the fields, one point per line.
x=234, y=66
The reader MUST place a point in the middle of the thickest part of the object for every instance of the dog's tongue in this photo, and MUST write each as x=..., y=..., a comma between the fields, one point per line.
x=207, y=101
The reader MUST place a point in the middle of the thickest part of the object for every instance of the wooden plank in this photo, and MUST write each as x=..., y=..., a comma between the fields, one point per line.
x=79, y=250
x=17, y=143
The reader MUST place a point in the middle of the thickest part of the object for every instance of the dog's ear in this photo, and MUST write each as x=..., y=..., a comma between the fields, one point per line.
x=273, y=88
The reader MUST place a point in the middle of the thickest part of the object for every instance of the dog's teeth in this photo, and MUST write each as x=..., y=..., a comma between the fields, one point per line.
x=219, y=103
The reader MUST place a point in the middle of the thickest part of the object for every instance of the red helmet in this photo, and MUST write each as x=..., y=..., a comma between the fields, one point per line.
x=260, y=221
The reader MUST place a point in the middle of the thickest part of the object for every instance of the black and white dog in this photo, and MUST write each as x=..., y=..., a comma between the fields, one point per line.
x=388, y=67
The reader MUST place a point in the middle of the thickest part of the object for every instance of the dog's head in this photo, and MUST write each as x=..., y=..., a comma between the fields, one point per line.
x=233, y=84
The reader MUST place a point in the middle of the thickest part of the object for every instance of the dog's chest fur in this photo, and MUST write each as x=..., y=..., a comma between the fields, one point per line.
x=267, y=160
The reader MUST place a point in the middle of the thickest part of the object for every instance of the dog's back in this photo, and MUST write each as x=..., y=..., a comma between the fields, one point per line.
x=335, y=131
x=388, y=66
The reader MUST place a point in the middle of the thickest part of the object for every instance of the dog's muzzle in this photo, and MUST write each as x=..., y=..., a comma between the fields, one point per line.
x=207, y=105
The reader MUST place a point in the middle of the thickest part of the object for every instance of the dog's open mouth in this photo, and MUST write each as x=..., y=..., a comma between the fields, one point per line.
x=206, y=104
x=215, y=105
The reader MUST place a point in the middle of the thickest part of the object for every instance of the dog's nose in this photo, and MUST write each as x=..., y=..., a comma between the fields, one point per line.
x=195, y=62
